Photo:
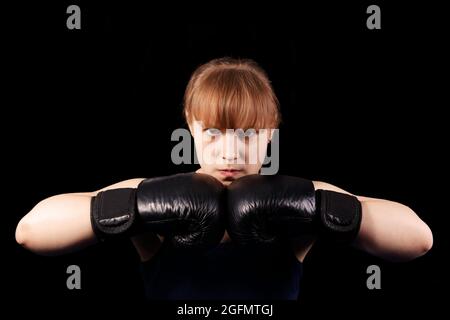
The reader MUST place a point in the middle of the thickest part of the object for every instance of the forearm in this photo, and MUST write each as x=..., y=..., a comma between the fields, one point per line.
x=392, y=231
x=62, y=223
x=57, y=225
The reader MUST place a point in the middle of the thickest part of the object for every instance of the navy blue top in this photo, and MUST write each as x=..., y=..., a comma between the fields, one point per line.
x=225, y=272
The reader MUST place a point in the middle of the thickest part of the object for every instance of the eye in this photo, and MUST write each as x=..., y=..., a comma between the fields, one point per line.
x=212, y=132
x=249, y=133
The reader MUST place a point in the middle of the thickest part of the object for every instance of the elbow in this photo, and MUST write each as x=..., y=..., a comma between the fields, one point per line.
x=426, y=241
x=419, y=241
x=25, y=236
x=419, y=246
x=22, y=233
x=422, y=242
x=28, y=238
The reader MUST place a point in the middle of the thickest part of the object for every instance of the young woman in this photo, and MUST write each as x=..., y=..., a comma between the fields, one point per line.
x=224, y=94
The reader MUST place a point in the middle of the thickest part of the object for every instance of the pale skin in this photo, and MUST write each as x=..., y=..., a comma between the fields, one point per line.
x=61, y=223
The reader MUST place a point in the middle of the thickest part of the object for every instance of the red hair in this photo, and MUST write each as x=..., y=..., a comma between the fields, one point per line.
x=231, y=93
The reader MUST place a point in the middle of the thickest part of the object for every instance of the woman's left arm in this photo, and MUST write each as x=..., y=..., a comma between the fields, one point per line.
x=389, y=230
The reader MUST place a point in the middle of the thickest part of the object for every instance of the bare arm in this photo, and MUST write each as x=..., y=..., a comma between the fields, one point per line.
x=61, y=223
x=389, y=230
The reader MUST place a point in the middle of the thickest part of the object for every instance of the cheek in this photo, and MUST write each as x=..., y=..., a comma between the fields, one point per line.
x=205, y=148
x=262, y=152
x=199, y=149
x=255, y=152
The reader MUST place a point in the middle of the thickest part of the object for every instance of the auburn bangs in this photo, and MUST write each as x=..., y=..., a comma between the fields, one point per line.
x=231, y=94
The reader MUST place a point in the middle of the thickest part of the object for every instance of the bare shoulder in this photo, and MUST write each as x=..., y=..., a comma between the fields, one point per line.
x=328, y=186
x=130, y=183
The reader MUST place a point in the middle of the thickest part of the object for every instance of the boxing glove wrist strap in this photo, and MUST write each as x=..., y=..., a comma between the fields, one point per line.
x=340, y=215
x=113, y=212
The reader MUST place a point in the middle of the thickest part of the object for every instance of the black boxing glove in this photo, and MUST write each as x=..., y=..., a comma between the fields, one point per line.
x=185, y=208
x=267, y=209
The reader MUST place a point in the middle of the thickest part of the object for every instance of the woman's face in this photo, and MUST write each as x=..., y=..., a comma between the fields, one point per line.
x=229, y=154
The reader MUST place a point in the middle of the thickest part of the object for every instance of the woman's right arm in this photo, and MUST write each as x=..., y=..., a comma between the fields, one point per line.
x=61, y=223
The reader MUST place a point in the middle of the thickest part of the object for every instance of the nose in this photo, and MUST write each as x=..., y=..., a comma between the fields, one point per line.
x=229, y=152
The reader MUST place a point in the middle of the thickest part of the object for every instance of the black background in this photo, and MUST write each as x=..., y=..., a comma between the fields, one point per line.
x=362, y=109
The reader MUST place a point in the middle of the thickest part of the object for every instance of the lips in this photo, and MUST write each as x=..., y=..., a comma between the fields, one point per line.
x=229, y=172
